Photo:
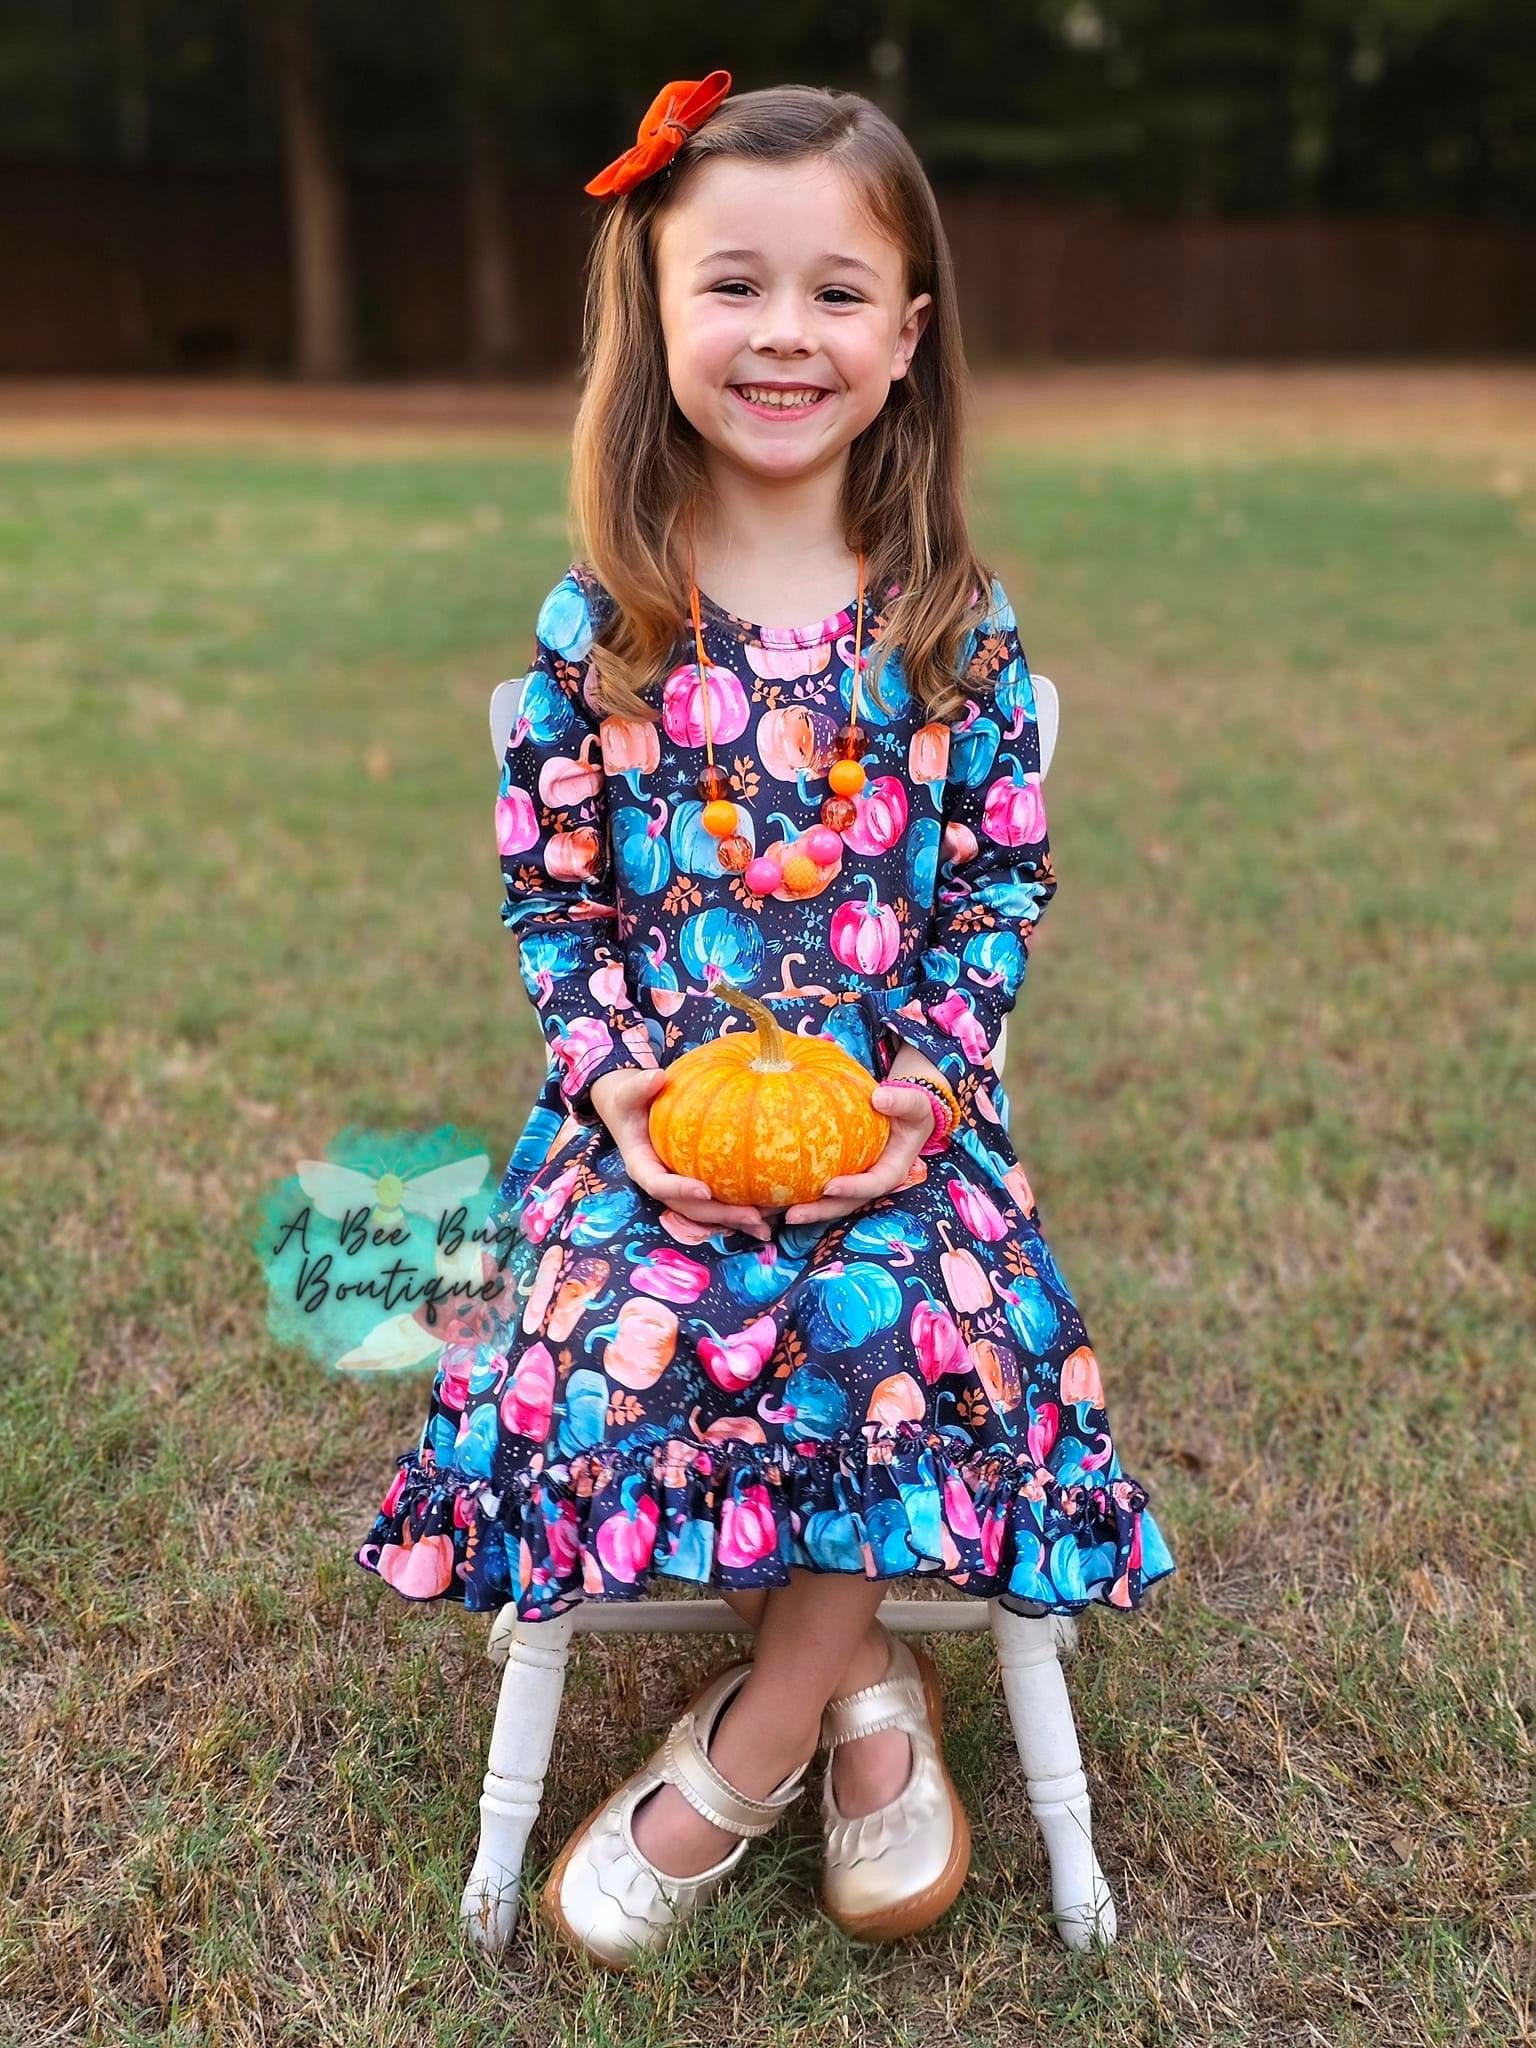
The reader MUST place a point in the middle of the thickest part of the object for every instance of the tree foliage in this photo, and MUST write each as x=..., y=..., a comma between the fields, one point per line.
x=1145, y=106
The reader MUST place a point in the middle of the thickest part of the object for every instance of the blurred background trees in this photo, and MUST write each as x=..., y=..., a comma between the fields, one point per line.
x=123, y=118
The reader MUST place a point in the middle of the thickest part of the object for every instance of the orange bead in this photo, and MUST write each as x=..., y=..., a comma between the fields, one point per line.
x=801, y=874
x=719, y=819
x=847, y=777
x=735, y=853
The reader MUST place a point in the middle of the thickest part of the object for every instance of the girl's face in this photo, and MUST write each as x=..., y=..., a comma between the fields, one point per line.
x=769, y=275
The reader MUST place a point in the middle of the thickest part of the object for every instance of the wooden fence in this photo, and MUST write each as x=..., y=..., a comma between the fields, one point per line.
x=107, y=272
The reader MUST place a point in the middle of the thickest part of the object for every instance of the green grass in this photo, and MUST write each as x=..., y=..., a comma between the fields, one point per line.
x=1271, y=1078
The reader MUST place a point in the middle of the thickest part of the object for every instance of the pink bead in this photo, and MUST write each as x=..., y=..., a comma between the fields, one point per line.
x=763, y=876
x=823, y=845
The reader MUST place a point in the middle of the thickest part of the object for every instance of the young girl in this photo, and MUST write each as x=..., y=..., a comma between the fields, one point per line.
x=779, y=731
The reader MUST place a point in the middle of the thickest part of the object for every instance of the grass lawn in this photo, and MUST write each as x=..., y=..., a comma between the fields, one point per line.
x=1272, y=1080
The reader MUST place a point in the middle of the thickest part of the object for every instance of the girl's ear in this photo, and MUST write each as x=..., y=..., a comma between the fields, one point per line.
x=911, y=330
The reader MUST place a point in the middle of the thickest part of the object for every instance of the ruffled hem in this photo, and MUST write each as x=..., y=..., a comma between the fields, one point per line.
x=737, y=1515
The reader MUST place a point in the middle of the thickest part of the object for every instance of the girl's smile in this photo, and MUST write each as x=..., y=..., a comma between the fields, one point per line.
x=792, y=401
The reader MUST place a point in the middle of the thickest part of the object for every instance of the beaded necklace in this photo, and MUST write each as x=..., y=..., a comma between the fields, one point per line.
x=798, y=872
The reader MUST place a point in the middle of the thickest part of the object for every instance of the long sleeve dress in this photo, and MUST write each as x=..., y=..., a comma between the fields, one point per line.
x=906, y=1390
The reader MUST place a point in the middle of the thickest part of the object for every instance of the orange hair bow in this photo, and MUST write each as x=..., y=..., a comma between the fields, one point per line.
x=679, y=108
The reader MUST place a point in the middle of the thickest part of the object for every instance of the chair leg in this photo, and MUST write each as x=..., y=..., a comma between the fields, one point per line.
x=1041, y=1713
x=536, y=1656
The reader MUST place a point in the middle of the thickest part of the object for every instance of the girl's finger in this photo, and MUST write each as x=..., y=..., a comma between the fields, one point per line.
x=863, y=1187
x=717, y=1216
x=665, y=1186
x=907, y=1106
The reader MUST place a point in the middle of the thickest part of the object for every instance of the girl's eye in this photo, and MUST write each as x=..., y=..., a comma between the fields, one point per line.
x=842, y=290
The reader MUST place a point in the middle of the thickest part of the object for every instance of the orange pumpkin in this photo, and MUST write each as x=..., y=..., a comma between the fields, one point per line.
x=766, y=1116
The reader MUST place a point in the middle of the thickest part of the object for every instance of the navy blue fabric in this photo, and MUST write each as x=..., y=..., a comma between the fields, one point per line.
x=910, y=1390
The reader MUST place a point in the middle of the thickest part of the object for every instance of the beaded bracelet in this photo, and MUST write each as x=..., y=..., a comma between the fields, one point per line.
x=946, y=1110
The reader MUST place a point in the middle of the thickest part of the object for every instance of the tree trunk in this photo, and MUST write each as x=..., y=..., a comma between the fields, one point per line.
x=493, y=326
x=129, y=290
x=320, y=271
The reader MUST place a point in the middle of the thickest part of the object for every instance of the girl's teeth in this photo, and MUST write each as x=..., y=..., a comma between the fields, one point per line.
x=773, y=398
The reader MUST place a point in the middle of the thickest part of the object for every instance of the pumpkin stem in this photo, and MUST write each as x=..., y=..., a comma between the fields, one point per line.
x=771, y=1059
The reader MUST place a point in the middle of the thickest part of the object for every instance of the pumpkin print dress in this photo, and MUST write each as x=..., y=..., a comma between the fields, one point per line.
x=906, y=1390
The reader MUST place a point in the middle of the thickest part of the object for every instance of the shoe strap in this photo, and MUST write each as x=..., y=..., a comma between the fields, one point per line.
x=888, y=1703
x=686, y=1765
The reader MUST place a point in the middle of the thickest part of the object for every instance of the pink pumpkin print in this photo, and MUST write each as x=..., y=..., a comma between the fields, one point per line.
x=418, y=1567
x=747, y=1530
x=565, y=783
x=608, y=984
x=865, y=935
x=965, y=1278
x=581, y=1047
x=453, y=1370
x=960, y=1507
x=564, y=1539
x=735, y=1361
x=1092, y=1460
x=785, y=653
x=542, y=1210
x=529, y=1401
x=977, y=1211
x=1043, y=1432
x=993, y=1530
x=1016, y=1181
x=1013, y=812
x=517, y=826
x=937, y=1340
x=626, y=1543
x=955, y=1015
x=682, y=705
x=671, y=1276
x=882, y=816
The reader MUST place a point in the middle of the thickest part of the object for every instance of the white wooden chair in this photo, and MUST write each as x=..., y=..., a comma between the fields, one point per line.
x=1030, y=1651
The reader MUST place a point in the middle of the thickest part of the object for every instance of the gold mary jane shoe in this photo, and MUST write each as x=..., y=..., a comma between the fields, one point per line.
x=602, y=1894
x=889, y=1873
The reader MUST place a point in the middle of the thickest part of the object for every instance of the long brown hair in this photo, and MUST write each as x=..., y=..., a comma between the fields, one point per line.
x=636, y=465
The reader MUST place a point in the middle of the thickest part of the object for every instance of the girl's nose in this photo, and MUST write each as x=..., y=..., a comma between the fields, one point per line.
x=780, y=329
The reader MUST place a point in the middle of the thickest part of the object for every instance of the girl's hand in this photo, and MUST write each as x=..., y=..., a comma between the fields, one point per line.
x=911, y=1128
x=623, y=1099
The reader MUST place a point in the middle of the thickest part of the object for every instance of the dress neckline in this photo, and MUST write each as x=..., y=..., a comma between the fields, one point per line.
x=812, y=633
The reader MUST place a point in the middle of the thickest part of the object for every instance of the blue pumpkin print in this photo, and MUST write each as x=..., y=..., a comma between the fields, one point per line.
x=644, y=862
x=725, y=943
x=814, y=1414
x=850, y=1307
